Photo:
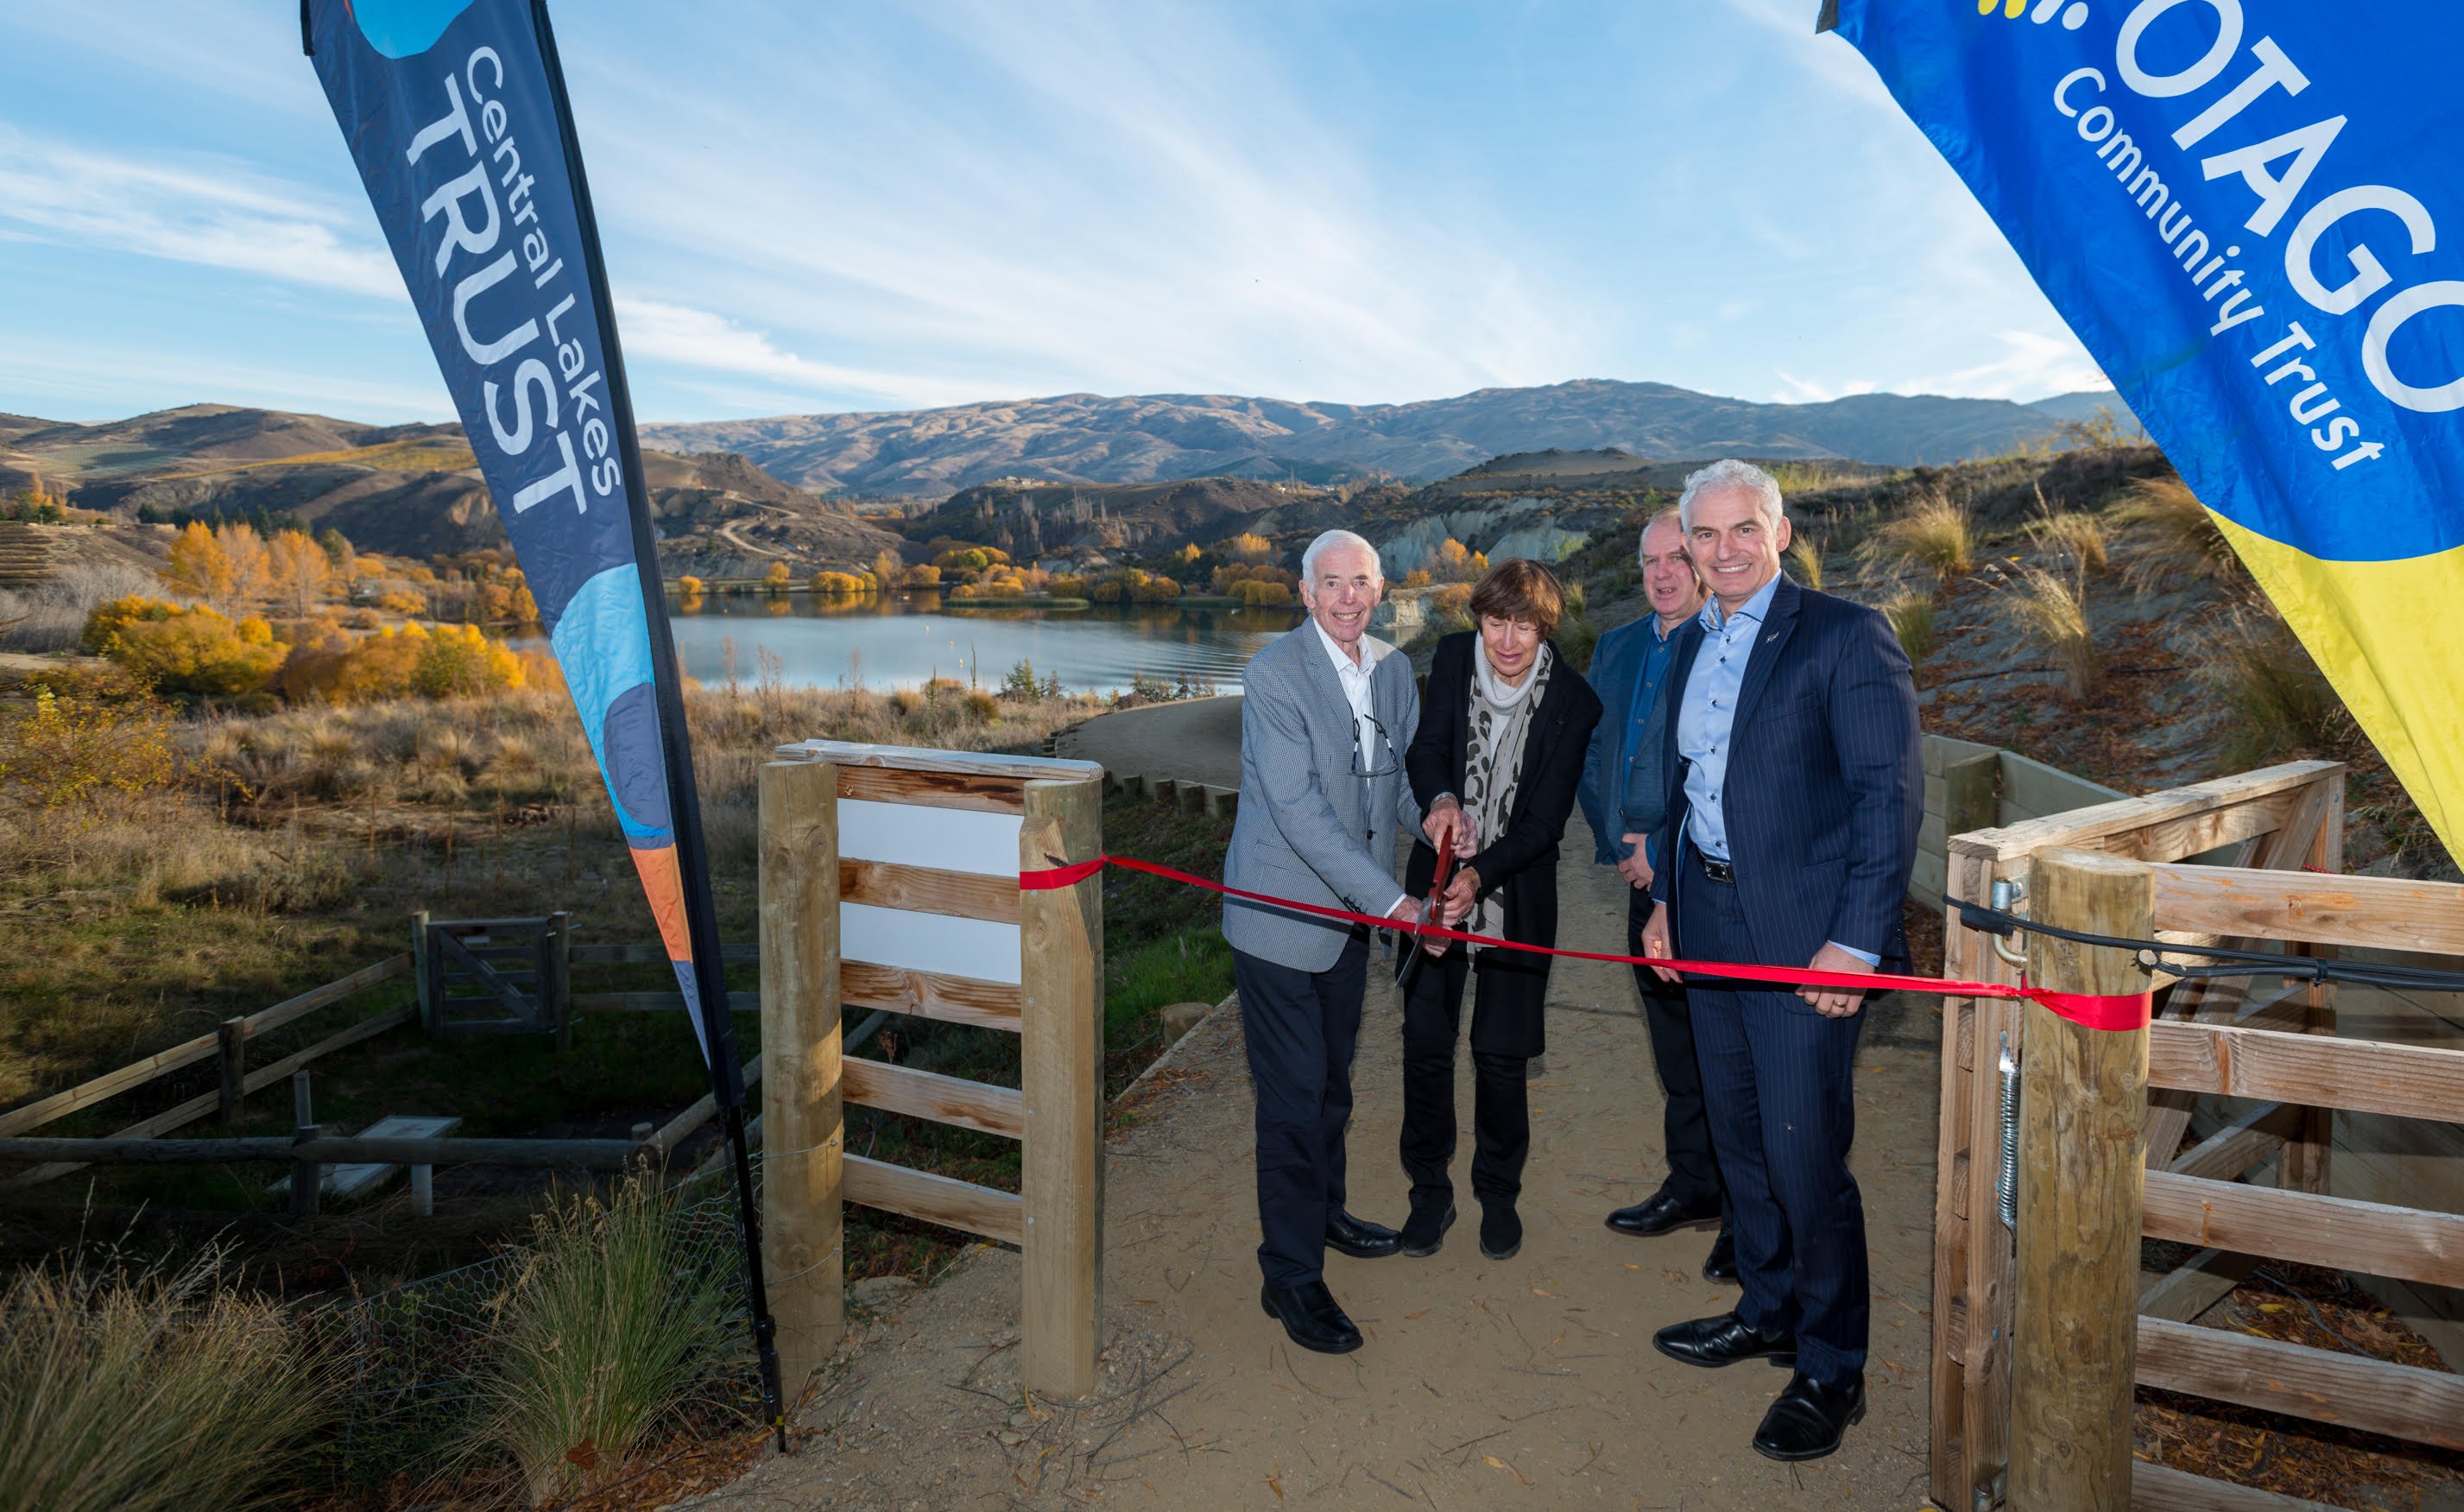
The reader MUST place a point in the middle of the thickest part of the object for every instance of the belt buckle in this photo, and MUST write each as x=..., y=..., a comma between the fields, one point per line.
x=1717, y=870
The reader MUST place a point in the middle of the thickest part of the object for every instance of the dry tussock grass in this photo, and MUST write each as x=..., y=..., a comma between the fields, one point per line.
x=2052, y=613
x=2173, y=536
x=1933, y=533
x=2076, y=536
x=147, y=1391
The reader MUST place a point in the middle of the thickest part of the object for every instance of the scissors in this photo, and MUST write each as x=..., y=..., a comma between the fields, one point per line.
x=1408, y=951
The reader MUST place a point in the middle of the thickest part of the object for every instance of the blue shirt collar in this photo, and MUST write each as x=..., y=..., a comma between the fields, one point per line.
x=1753, y=608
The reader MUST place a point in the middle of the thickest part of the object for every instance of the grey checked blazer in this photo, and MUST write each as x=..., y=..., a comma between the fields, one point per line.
x=1303, y=829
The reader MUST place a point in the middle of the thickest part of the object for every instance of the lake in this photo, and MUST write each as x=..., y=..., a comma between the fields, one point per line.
x=830, y=642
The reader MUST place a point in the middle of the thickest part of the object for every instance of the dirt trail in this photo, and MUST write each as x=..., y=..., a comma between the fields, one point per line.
x=1191, y=739
x=1529, y=1383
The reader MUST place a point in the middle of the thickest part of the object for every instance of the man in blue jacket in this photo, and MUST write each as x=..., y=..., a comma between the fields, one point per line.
x=1624, y=795
x=1794, y=795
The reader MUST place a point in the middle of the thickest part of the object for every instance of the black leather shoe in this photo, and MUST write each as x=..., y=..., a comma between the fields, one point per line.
x=1359, y=1239
x=1721, y=1264
x=1661, y=1213
x=1311, y=1318
x=1501, y=1230
x=1807, y=1421
x=1724, y=1340
x=1425, y=1230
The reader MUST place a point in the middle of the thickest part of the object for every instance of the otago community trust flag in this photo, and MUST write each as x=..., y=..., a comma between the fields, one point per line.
x=2252, y=211
x=454, y=111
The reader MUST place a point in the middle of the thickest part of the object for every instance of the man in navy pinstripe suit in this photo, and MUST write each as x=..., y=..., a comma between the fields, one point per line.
x=1796, y=792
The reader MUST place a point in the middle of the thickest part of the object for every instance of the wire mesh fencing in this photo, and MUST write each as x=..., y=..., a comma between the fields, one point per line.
x=417, y=1358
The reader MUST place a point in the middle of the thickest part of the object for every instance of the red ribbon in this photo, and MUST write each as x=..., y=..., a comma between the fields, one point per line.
x=2120, y=1010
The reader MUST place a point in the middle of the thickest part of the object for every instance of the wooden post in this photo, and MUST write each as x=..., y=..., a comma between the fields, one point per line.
x=804, y=1121
x=233, y=1037
x=307, y=1177
x=423, y=1190
x=423, y=974
x=2303, y=1165
x=1061, y=974
x=556, y=977
x=2084, y=1096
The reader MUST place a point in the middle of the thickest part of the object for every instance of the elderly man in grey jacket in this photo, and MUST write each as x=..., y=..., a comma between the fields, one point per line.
x=1327, y=714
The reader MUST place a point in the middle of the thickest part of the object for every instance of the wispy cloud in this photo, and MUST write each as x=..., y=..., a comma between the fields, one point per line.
x=1104, y=198
x=691, y=338
x=212, y=214
x=1794, y=389
x=2031, y=365
x=84, y=380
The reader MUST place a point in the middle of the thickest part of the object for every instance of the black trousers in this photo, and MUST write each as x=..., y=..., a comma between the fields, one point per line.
x=1500, y=1105
x=1301, y=1028
x=1693, y=1169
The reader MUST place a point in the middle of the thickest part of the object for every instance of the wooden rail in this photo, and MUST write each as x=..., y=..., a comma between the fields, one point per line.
x=2279, y=818
x=2277, y=1048
x=1055, y=1007
x=601, y=1154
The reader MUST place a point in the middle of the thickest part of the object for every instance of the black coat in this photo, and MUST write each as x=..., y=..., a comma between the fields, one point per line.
x=1522, y=862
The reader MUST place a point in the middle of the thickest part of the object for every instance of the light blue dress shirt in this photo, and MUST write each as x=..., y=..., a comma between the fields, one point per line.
x=1703, y=720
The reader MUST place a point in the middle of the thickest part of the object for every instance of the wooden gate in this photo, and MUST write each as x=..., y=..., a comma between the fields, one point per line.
x=494, y=976
x=2274, y=1049
x=889, y=880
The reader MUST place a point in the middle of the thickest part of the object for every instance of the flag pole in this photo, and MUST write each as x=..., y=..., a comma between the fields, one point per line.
x=684, y=803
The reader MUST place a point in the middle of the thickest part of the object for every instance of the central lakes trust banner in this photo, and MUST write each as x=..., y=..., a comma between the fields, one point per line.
x=2252, y=211
x=454, y=111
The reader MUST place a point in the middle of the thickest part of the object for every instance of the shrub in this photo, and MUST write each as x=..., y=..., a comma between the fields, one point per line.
x=1911, y=617
x=2285, y=705
x=185, y=649
x=152, y=1392
x=1805, y=560
x=74, y=755
x=2176, y=537
x=1067, y=585
x=981, y=704
x=1261, y=595
x=1247, y=547
x=2052, y=613
x=777, y=578
x=460, y=661
x=688, y=587
x=1932, y=534
x=604, y=1331
x=2077, y=536
x=839, y=584
x=921, y=577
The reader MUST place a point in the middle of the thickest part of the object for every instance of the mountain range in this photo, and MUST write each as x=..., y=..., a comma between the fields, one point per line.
x=1140, y=438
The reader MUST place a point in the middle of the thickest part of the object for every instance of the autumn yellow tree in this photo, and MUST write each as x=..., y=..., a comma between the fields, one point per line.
x=1247, y=547
x=780, y=578
x=299, y=573
x=198, y=565
x=889, y=566
x=252, y=565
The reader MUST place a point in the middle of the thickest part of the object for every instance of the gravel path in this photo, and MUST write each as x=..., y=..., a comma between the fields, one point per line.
x=1529, y=1383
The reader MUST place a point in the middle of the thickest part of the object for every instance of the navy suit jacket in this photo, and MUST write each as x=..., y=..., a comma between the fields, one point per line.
x=1825, y=791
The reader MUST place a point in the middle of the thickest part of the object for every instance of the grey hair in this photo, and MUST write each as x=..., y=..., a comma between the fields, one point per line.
x=1328, y=542
x=1666, y=517
x=1730, y=475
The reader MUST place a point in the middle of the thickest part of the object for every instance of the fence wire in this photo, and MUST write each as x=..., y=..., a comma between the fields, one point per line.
x=418, y=1355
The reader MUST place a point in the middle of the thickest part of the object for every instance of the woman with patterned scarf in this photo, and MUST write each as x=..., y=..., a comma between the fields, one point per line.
x=1504, y=727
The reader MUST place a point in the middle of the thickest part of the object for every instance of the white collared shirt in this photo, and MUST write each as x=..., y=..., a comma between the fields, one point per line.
x=1356, y=678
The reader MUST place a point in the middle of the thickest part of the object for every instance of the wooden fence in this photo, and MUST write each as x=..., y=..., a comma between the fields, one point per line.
x=541, y=1001
x=2275, y=1052
x=889, y=880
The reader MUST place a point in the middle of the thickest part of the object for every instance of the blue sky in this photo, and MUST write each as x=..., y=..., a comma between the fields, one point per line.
x=814, y=207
